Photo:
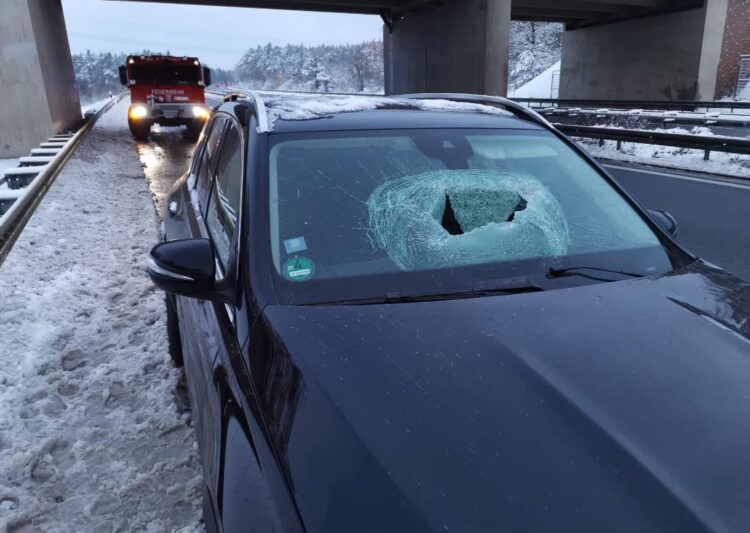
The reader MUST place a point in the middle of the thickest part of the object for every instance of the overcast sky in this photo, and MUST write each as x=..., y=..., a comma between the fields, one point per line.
x=217, y=35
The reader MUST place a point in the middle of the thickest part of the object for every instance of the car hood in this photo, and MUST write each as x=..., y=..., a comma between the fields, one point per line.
x=619, y=406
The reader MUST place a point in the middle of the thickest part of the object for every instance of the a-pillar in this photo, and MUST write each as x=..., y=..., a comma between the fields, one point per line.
x=449, y=47
x=38, y=94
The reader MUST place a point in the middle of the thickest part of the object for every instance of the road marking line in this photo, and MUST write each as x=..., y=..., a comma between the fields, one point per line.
x=680, y=177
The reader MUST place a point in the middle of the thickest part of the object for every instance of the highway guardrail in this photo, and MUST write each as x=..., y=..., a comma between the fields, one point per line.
x=679, y=105
x=716, y=143
x=15, y=218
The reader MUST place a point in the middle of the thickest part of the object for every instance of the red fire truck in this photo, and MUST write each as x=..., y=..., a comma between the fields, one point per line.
x=165, y=90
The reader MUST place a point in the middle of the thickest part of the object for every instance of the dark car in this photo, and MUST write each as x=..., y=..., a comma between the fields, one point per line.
x=436, y=313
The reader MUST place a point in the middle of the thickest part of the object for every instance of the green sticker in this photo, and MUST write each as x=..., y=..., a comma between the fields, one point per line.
x=298, y=269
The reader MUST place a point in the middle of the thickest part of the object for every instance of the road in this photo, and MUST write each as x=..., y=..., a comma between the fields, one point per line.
x=713, y=216
x=165, y=157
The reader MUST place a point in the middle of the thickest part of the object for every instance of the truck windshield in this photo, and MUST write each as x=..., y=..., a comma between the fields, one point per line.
x=165, y=73
x=424, y=211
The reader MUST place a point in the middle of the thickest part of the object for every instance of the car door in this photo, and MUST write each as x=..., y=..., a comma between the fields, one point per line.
x=222, y=224
x=198, y=329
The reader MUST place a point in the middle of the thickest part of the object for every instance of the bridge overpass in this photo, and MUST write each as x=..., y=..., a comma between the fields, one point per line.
x=612, y=49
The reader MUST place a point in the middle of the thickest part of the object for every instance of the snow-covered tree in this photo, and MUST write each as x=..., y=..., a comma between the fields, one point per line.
x=534, y=47
x=346, y=68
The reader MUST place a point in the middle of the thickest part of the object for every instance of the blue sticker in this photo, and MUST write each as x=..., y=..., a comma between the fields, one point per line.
x=292, y=246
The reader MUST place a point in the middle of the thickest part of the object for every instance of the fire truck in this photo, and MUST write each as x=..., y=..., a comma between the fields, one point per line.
x=165, y=90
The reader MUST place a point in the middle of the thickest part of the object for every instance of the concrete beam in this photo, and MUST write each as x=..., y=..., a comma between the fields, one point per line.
x=37, y=82
x=449, y=47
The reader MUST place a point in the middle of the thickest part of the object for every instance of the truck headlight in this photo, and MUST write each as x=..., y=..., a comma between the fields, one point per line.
x=138, y=112
x=200, y=112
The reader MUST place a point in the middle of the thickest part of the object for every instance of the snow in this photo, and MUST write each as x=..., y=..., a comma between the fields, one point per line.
x=93, y=435
x=542, y=86
x=726, y=164
x=93, y=107
x=534, y=46
x=8, y=163
x=297, y=106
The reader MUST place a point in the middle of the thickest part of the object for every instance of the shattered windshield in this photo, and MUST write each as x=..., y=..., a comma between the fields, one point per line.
x=424, y=205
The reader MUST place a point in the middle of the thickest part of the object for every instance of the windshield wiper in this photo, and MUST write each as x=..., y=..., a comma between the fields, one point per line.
x=574, y=271
x=395, y=297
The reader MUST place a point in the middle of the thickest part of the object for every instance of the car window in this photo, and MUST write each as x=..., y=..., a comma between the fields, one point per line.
x=206, y=162
x=224, y=204
x=437, y=201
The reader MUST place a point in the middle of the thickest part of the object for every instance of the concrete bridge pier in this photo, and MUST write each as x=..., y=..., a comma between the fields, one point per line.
x=669, y=56
x=39, y=95
x=449, y=47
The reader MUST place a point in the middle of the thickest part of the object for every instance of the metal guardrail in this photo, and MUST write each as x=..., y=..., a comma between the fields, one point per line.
x=679, y=105
x=732, y=145
x=653, y=118
x=15, y=218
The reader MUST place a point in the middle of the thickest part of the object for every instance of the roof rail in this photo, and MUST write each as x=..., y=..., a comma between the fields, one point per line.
x=264, y=126
x=233, y=97
x=496, y=101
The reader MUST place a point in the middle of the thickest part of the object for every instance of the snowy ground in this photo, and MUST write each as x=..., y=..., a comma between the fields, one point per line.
x=93, y=436
x=545, y=85
x=8, y=163
x=93, y=106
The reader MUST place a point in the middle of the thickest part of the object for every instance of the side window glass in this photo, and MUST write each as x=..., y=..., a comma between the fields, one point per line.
x=214, y=136
x=224, y=204
x=207, y=162
x=202, y=181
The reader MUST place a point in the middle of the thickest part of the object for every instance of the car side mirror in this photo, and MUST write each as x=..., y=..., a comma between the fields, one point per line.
x=206, y=76
x=186, y=267
x=123, y=71
x=665, y=221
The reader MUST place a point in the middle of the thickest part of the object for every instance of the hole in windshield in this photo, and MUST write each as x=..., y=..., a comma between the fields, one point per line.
x=449, y=221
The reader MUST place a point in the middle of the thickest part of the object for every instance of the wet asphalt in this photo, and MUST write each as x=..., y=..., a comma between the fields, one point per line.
x=713, y=216
x=165, y=157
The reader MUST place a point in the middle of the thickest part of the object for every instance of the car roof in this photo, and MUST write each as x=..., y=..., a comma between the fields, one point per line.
x=401, y=119
x=288, y=113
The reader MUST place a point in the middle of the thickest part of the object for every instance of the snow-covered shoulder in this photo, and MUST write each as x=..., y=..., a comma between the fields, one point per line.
x=725, y=164
x=93, y=107
x=93, y=436
x=301, y=106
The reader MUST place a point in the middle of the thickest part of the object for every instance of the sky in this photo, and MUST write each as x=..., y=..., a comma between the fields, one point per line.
x=217, y=35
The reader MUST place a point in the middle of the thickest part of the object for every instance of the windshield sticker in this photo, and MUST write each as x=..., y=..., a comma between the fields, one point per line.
x=296, y=245
x=299, y=269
